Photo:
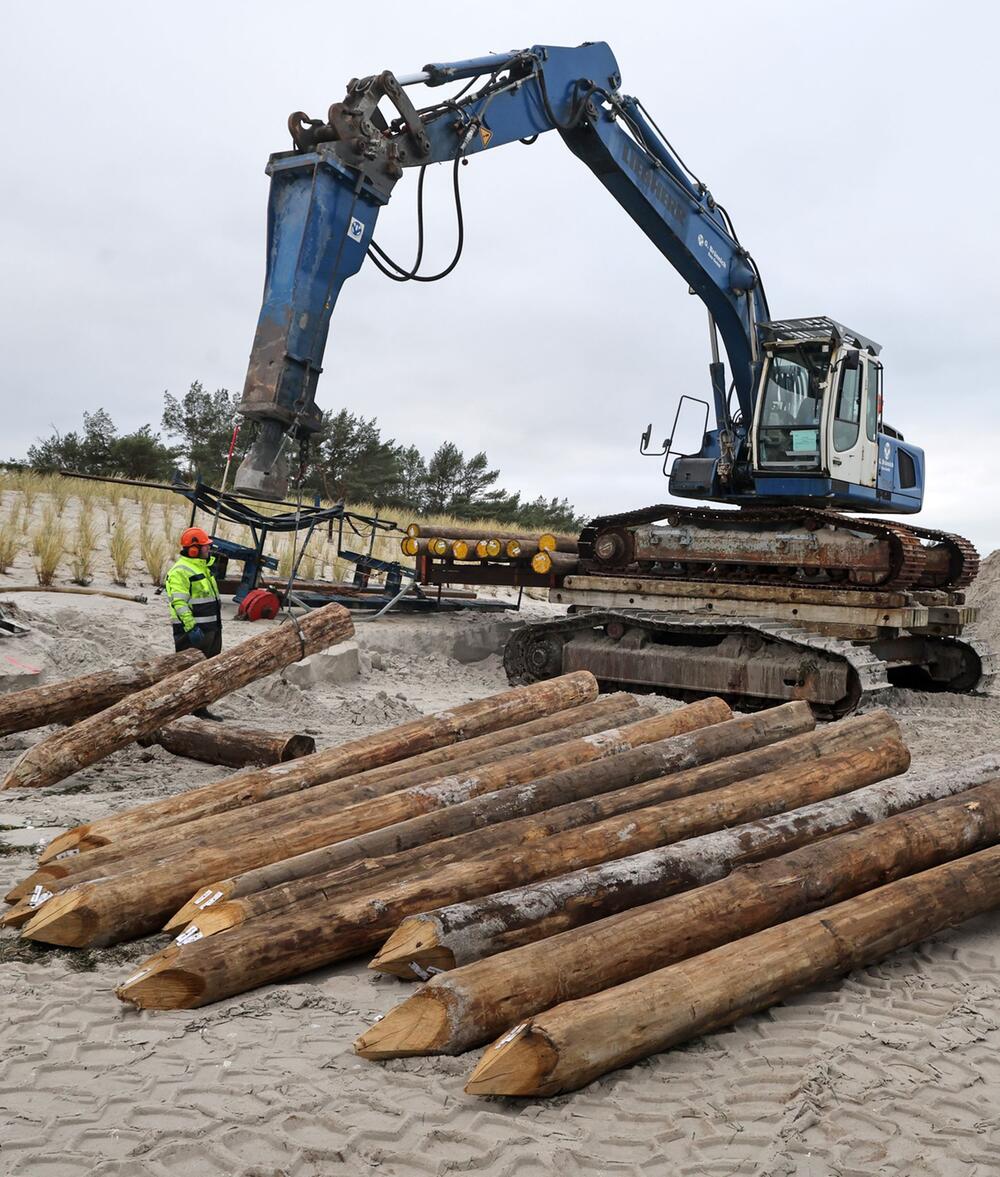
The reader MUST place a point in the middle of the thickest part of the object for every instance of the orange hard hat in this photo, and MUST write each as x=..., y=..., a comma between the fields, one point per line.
x=194, y=537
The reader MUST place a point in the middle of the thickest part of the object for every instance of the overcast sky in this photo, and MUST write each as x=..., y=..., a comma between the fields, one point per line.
x=854, y=145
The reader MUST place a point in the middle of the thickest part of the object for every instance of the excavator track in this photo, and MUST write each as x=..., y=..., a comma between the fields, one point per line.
x=750, y=662
x=605, y=547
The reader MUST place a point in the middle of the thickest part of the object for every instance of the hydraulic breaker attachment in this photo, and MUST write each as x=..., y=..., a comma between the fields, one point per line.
x=319, y=222
x=325, y=198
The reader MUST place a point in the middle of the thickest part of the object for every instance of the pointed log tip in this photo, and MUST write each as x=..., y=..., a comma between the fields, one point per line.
x=413, y=952
x=69, y=840
x=64, y=920
x=516, y=1064
x=159, y=985
x=220, y=919
x=417, y=1026
x=200, y=901
x=43, y=877
x=18, y=916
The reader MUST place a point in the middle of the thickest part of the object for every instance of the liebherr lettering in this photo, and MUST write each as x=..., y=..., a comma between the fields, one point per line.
x=650, y=182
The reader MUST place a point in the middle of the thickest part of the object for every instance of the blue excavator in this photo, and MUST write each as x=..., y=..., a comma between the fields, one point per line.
x=798, y=437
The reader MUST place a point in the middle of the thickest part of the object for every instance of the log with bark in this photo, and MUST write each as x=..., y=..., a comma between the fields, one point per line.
x=462, y=932
x=472, y=1005
x=229, y=743
x=145, y=711
x=558, y=562
x=319, y=801
x=132, y=904
x=76, y=698
x=505, y=830
x=330, y=928
x=549, y=541
x=574, y=1043
x=556, y=794
x=432, y=733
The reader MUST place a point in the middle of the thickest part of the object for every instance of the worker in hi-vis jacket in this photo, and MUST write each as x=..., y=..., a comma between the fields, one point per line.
x=194, y=596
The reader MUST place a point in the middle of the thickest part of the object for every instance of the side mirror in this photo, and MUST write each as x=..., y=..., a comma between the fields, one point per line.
x=852, y=361
x=644, y=443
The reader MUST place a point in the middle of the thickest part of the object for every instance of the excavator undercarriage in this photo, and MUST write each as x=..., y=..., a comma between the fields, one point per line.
x=761, y=606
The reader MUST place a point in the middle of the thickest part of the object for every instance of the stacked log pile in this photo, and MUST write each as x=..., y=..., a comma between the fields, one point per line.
x=545, y=554
x=581, y=881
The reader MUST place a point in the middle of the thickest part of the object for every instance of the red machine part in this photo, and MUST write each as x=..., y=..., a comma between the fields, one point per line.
x=259, y=605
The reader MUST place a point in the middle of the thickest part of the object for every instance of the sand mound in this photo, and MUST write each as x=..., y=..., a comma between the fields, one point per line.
x=984, y=592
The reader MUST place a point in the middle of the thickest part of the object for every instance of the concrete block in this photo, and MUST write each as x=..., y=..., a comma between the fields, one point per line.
x=339, y=664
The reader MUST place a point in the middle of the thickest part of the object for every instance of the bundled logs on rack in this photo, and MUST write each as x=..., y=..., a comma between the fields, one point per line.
x=543, y=554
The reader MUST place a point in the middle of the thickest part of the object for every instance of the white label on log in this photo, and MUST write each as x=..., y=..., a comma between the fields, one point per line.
x=424, y=973
x=510, y=1035
x=38, y=896
x=67, y=853
x=207, y=898
x=189, y=935
x=203, y=896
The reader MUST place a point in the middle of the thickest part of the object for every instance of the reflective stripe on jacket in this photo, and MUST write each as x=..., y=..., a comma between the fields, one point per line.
x=193, y=595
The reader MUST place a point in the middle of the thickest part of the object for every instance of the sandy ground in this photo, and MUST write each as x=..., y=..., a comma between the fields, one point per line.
x=894, y=1071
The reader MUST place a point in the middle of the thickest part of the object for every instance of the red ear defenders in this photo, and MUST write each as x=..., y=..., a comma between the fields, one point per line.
x=192, y=540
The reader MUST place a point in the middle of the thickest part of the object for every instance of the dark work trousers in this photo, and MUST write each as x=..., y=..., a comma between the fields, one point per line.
x=210, y=649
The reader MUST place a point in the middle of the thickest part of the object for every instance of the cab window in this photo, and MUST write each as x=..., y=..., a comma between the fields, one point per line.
x=847, y=419
x=792, y=410
x=871, y=406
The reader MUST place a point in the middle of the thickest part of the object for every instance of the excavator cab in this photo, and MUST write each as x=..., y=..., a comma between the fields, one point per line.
x=817, y=427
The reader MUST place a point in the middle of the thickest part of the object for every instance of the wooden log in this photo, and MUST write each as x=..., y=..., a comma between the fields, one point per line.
x=145, y=711
x=472, y=1005
x=432, y=732
x=498, y=828
x=463, y=549
x=489, y=549
x=558, y=795
x=135, y=598
x=548, y=541
x=229, y=744
x=571, y=1045
x=521, y=549
x=319, y=801
x=76, y=698
x=332, y=928
x=132, y=904
x=562, y=564
x=463, y=531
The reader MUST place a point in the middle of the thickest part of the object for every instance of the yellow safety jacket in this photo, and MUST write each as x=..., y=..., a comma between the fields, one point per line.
x=193, y=596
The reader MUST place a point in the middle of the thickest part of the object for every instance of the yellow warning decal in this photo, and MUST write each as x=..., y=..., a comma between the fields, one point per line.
x=485, y=134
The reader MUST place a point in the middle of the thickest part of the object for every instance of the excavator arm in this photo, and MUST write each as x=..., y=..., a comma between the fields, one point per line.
x=327, y=192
